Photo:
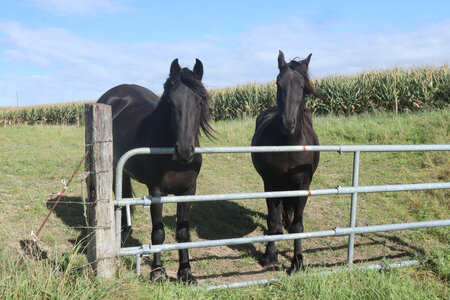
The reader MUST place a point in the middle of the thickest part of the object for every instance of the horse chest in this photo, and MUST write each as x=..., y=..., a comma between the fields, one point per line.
x=282, y=162
x=288, y=167
x=175, y=182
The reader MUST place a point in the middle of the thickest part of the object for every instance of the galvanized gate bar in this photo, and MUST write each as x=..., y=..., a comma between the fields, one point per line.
x=351, y=238
x=335, y=270
x=354, y=190
x=148, y=200
x=338, y=148
x=148, y=249
x=332, y=148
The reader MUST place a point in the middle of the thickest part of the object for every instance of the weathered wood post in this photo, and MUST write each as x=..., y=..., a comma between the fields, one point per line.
x=102, y=252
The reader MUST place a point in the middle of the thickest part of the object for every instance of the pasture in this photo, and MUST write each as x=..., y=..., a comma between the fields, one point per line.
x=34, y=159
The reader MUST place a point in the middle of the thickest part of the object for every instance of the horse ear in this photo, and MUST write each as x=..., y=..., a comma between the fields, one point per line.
x=306, y=60
x=198, y=69
x=175, y=69
x=281, y=60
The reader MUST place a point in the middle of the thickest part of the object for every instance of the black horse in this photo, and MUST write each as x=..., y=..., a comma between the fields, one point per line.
x=289, y=123
x=141, y=119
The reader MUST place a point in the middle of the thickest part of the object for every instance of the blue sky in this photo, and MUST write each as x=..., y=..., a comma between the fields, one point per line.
x=68, y=50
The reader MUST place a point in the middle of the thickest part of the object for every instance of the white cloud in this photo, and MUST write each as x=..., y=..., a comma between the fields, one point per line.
x=76, y=68
x=80, y=7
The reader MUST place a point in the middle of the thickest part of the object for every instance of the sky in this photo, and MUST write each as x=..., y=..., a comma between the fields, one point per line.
x=55, y=51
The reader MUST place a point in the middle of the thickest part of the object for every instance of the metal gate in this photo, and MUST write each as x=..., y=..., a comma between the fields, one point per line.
x=353, y=190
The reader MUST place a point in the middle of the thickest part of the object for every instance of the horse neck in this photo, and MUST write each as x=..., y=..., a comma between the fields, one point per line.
x=161, y=126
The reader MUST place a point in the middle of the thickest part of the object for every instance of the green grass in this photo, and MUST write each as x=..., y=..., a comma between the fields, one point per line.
x=46, y=281
x=31, y=176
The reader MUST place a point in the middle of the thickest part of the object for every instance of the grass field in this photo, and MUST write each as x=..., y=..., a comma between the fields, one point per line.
x=31, y=171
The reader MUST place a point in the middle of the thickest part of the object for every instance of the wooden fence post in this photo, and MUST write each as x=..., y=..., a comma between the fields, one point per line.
x=102, y=252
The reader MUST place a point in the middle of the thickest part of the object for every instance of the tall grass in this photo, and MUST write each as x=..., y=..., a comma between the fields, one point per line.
x=393, y=90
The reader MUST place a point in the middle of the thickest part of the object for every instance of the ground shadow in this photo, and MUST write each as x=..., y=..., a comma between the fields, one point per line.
x=71, y=211
x=394, y=243
x=32, y=250
x=397, y=243
x=221, y=220
x=227, y=219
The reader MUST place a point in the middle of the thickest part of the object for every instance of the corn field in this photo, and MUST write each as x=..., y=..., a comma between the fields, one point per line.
x=394, y=90
x=63, y=114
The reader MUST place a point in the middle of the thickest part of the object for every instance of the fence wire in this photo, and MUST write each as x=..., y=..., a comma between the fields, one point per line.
x=52, y=146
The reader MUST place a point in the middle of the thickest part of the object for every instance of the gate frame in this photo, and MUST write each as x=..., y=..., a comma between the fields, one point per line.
x=353, y=190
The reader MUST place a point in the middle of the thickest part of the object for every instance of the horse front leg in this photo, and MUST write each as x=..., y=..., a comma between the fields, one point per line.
x=158, y=236
x=270, y=259
x=183, y=235
x=297, y=227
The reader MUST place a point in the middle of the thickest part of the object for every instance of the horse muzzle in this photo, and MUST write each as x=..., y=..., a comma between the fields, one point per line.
x=183, y=155
x=288, y=126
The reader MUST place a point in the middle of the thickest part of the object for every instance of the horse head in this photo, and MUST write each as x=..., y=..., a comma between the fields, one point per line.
x=187, y=100
x=293, y=84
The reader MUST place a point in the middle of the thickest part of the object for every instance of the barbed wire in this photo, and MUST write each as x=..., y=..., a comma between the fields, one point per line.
x=54, y=146
x=80, y=177
x=38, y=252
x=89, y=264
x=28, y=232
x=44, y=146
x=29, y=203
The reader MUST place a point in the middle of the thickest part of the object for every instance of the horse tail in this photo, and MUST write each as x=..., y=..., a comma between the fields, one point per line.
x=287, y=213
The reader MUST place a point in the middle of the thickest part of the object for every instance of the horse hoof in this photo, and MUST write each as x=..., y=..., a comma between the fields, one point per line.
x=187, y=277
x=295, y=267
x=158, y=275
x=297, y=263
x=270, y=264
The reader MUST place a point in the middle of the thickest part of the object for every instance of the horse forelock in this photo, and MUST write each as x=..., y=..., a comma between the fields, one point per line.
x=296, y=64
x=188, y=79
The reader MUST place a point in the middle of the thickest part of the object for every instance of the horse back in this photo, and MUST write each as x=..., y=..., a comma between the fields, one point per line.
x=129, y=98
x=130, y=105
